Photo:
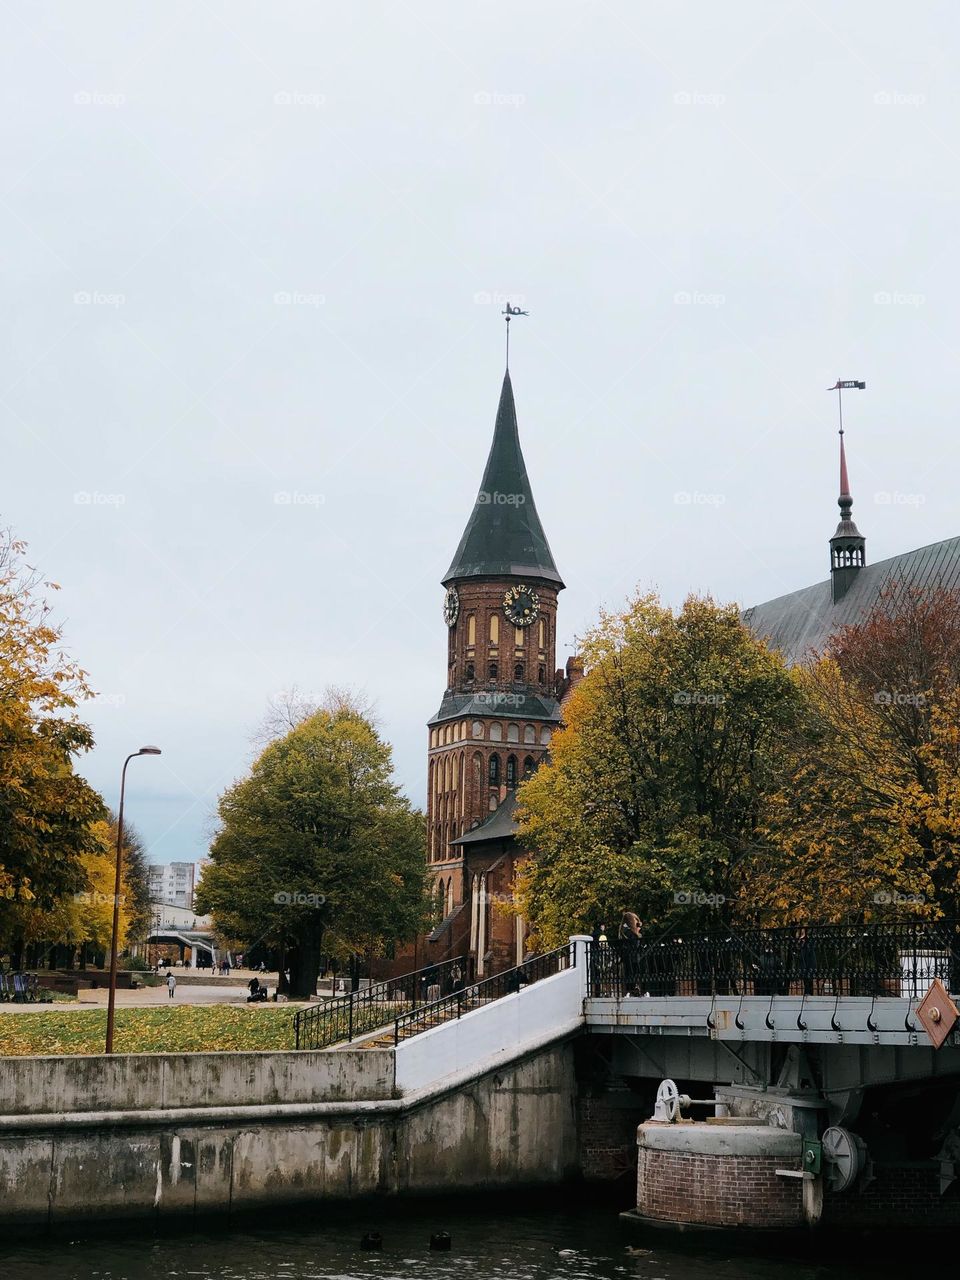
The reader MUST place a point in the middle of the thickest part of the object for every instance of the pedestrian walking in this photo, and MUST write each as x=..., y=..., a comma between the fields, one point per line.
x=630, y=936
x=171, y=985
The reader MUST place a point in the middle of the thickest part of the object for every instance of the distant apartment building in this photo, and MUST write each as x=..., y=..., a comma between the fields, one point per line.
x=173, y=883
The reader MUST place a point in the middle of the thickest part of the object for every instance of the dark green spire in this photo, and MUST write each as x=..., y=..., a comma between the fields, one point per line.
x=504, y=536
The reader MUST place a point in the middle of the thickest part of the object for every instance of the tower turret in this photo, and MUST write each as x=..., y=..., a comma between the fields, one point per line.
x=848, y=546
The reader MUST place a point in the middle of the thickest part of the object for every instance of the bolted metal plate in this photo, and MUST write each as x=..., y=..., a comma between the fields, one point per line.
x=937, y=1013
x=812, y=1154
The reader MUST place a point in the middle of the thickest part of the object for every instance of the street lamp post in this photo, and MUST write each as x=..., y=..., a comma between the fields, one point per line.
x=111, y=999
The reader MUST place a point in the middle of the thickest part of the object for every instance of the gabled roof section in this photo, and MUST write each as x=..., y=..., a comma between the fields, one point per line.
x=800, y=624
x=504, y=536
x=502, y=824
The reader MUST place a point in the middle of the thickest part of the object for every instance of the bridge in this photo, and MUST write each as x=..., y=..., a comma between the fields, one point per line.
x=802, y=1034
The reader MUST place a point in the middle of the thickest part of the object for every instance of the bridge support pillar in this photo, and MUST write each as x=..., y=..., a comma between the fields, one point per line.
x=746, y=1176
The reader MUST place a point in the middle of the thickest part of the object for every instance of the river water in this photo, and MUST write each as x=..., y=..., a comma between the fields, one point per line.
x=487, y=1244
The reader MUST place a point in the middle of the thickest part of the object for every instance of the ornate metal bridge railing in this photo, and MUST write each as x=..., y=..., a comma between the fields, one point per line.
x=346, y=1017
x=872, y=960
x=460, y=1002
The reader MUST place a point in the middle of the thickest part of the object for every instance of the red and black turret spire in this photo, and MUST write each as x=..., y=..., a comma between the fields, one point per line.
x=848, y=552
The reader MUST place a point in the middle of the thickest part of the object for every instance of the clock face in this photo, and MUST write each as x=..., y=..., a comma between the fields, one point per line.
x=521, y=605
x=451, y=606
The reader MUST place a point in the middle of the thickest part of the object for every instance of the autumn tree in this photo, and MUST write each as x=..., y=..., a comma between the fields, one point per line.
x=47, y=811
x=654, y=796
x=867, y=823
x=317, y=849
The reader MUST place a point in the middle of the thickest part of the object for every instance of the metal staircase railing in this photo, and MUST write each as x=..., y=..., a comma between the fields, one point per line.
x=346, y=1017
x=457, y=1003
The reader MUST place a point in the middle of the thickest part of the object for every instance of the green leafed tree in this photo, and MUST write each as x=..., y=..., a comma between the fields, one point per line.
x=655, y=795
x=317, y=849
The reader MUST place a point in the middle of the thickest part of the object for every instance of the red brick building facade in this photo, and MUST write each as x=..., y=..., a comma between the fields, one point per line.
x=500, y=706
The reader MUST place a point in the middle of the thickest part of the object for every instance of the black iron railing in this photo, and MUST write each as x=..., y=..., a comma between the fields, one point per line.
x=837, y=960
x=346, y=1017
x=457, y=1003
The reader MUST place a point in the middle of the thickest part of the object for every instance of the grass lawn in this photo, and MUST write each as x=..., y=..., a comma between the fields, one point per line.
x=181, y=1029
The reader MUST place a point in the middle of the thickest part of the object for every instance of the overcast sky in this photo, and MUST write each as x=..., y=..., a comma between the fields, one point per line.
x=259, y=250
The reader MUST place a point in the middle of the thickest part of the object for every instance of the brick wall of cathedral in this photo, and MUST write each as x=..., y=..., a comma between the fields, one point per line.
x=473, y=763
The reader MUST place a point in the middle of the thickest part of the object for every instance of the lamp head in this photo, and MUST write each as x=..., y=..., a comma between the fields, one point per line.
x=149, y=751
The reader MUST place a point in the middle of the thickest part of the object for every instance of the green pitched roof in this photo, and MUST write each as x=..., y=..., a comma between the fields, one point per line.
x=504, y=536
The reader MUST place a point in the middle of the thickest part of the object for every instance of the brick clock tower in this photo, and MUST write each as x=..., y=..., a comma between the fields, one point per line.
x=499, y=710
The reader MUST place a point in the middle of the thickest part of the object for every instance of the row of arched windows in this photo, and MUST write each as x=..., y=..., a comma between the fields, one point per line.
x=457, y=732
x=493, y=632
x=510, y=773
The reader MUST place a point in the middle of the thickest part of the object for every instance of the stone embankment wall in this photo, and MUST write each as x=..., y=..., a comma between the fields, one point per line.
x=147, y=1136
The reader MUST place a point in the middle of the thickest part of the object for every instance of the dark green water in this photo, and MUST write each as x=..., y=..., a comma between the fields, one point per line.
x=488, y=1244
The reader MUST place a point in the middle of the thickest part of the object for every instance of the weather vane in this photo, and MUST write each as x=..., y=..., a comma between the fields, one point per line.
x=509, y=312
x=839, y=387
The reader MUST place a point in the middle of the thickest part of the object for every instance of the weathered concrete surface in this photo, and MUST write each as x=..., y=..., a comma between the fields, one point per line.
x=516, y=1126
x=150, y=1081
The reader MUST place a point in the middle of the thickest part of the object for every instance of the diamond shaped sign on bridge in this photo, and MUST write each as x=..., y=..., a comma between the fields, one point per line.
x=937, y=1013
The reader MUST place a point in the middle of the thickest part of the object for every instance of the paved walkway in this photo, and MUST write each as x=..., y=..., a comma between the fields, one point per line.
x=214, y=991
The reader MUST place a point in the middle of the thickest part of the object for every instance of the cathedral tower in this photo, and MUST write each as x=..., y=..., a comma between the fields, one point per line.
x=500, y=706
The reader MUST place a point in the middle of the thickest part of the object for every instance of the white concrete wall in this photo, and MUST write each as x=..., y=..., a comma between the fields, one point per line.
x=494, y=1033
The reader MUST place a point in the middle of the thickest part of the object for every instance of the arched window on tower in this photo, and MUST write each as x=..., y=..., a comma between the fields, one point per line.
x=518, y=671
x=511, y=771
x=495, y=770
x=469, y=673
x=541, y=673
x=472, y=630
x=494, y=628
x=492, y=672
x=541, y=637
x=513, y=733
x=529, y=734
x=528, y=766
x=496, y=732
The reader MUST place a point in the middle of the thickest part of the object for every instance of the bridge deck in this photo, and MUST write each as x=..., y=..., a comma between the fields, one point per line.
x=784, y=1019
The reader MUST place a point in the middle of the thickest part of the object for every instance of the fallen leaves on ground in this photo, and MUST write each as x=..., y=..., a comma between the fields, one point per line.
x=180, y=1029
